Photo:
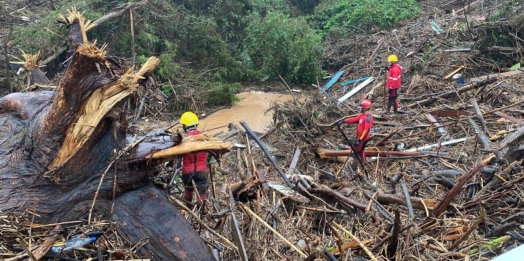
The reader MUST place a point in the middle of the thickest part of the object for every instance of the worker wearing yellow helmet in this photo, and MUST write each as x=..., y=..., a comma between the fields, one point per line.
x=194, y=167
x=393, y=82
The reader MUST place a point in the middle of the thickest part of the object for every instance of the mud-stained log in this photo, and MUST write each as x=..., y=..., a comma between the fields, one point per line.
x=55, y=148
x=147, y=213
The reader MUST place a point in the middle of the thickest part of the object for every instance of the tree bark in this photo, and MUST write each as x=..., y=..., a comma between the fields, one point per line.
x=56, y=145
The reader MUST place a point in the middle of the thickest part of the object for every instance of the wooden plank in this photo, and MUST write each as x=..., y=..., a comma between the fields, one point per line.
x=453, y=72
x=449, y=113
x=294, y=162
x=519, y=122
x=288, y=192
x=262, y=178
x=332, y=81
x=355, y=90
x=432, y=119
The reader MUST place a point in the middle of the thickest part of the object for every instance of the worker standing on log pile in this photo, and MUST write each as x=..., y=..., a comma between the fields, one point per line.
x=393, y=82
x=365, y=123
x=194, y=167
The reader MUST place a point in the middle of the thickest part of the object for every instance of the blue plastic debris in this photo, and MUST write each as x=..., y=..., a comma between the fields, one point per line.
x=332, y=81
x=354, y=81
x=437, y=28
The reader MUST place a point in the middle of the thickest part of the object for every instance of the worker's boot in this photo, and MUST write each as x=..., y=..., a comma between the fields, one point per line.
x=354, y=164
x=188, y=194
x=203, y=202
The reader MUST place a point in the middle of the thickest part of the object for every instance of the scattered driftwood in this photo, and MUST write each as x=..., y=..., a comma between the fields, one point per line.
x=327, y=212
x=451, y=93
x=418, y=203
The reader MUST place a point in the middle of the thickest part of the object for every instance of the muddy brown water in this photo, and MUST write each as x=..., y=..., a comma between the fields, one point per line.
x=252, y=109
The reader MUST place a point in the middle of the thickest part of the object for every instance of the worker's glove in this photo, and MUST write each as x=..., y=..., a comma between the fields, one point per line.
x=357, y=142
x=340, y=122
x=390, y=90
x=386, y=67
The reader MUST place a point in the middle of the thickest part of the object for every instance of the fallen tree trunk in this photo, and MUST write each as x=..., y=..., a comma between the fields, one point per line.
x=57, y=144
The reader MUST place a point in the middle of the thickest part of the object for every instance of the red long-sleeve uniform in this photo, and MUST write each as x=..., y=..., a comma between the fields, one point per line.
x=365, y=122
x=394, y=77
x=194, y=162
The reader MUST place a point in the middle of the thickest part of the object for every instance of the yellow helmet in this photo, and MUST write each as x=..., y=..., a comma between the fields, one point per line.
x=189, y=119
x=392, y=58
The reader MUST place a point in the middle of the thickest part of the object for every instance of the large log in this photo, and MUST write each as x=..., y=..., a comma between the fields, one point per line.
x=56, y=146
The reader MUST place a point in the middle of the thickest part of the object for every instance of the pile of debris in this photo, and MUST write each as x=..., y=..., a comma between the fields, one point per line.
x=443, y=178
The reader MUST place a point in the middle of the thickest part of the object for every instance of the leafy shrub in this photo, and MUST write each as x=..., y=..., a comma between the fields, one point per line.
x=221, y=94
x=277, y=44
x=364, y=15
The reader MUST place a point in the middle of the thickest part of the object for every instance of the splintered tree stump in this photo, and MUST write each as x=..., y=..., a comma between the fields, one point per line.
x=56, y=145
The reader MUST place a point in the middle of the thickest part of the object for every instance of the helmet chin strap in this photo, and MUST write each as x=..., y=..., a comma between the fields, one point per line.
x=186, y=129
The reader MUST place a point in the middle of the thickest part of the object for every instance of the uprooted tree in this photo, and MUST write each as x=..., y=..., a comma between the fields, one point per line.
x=60, y=148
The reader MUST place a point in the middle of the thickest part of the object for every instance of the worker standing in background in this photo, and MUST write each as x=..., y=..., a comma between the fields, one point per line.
x=365, y=122
x=194, y=167
x=393, y=82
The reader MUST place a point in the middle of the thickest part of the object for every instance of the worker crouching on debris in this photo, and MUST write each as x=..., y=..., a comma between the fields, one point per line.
x=393, y=82
x=194, y=167
x=365, y=122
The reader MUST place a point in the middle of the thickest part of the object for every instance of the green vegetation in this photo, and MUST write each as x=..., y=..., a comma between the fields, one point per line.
x=278, y=44
x=364, y=15
x=208, y=47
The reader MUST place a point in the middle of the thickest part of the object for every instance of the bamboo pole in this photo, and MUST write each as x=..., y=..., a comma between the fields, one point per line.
x=250, y=212
x=197, y=219
x=369, y=253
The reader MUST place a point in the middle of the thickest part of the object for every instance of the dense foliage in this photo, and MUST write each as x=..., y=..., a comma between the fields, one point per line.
x=211, y=46
x=363, y=15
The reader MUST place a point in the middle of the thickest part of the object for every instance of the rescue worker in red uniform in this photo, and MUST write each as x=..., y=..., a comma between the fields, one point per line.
x=194, y=168
x=393, y=82
x=365, y=122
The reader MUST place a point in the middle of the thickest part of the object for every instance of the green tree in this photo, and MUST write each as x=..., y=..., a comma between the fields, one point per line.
x=363, y=15
x=278, y=44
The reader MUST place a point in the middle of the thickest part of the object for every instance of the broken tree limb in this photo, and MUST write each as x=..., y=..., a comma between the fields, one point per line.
x=324, y=153
x=387, y=137
x=497, y=76
x=519, y=122
x=505, y=107
x=40, y=251
x=452, y=93
x=480, y=116
x=511, y=138
x=434, y=121
x=452, y=193
x=417, y=203
x=362, y=245
x=480, y=134
x=251, y=213
x=393, y=243
x=473, y=227
x=195, y=216
x=335, y=194
x=121, y=10
x=268, y=155
x=408, y=202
